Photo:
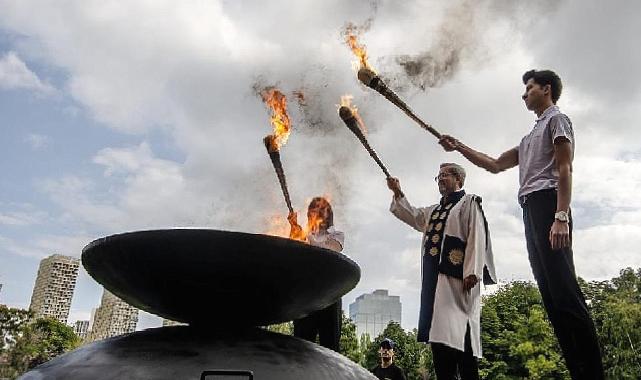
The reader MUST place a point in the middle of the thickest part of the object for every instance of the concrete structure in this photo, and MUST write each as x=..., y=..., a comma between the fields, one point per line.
x=372, y=312
x=81, y=328
x=113, y=317
x=54, y=287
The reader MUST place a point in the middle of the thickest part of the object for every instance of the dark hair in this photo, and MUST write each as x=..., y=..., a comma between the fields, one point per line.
x=321, y=202
x=543, y=77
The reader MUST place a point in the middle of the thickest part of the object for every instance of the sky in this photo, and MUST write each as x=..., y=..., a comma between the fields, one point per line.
x=117, y=117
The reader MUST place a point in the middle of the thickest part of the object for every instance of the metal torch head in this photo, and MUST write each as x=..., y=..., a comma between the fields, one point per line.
x=270, y=143
x=366, y=76
x=345, y=113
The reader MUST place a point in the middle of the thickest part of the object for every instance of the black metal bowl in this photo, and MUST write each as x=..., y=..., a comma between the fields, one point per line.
x=186, y=353
x=206, y=277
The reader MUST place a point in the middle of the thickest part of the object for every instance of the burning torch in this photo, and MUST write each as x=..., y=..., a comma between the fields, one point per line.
x=274, y=155
x=277, y=102
x=352, y=121
x=369, y=78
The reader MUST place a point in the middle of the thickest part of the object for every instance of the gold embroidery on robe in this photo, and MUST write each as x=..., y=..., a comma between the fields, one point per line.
x=456, y=256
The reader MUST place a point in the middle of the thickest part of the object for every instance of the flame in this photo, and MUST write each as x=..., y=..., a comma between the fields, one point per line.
x=277, y=102
x=278, y=226
x=346, y=101
x=351, y=39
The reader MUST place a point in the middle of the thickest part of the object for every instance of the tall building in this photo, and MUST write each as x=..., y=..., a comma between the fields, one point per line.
x=372, y=312
x=113, y=317
x=81, y=328
x=54, y=287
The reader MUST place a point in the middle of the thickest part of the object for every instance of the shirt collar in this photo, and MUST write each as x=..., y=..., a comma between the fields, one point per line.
x=453, y=197
x=551, y=110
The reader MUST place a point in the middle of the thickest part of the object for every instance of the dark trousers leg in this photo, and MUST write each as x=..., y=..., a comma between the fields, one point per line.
x=448, y=361
x=307, y=327
x=329, y=330
x=325, y=323
x=468, y=366
x=562, y=297
x=444, y=361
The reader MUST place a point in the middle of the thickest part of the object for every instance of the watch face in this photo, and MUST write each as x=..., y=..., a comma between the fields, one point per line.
x=561, y=216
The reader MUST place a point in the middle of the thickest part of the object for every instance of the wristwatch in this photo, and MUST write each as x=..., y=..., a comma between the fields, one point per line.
x=561, y=216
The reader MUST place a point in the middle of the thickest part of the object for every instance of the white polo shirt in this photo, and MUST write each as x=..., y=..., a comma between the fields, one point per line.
x=537, y=168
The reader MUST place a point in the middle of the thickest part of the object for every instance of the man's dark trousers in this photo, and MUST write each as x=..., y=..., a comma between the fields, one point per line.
x=450, y=362
x=326, y=323
x=562, y=297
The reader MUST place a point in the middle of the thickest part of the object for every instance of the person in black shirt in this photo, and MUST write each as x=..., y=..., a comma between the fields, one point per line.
x=387, y=370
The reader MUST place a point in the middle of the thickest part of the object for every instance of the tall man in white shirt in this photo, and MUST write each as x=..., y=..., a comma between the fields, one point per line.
x=544, y=157
x=456, y=257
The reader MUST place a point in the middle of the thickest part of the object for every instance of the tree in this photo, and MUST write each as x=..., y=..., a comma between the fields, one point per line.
x=11, y=321
x=349, y=345
x=616, y=309
x=364, y=344
x=286, y=328
x=518, y=341
x=38, y=342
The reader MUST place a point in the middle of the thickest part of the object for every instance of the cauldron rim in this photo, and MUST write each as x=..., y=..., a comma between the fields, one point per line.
x=125, y=264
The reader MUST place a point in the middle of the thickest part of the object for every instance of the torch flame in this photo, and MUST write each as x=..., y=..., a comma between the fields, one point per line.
x=351, y=38
x=277, y=102
x=278, y=227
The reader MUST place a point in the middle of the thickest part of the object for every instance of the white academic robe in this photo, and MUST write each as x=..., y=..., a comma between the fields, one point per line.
x=454, y=308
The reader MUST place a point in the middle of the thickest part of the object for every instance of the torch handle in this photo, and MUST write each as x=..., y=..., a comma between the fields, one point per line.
x=280, y=173
x=352, y=124
x=380, y=86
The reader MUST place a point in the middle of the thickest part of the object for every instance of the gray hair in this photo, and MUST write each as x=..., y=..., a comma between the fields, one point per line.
x=455, y=169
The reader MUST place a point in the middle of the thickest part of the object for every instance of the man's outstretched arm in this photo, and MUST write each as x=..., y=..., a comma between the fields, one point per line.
x=508, y=159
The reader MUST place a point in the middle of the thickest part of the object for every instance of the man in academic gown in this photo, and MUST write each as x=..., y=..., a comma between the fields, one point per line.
x=456, y=258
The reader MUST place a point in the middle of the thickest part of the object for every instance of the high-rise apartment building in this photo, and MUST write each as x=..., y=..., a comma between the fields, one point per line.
x=113, y=317
x=81, y=328
x=371, y=313
x=54, y=287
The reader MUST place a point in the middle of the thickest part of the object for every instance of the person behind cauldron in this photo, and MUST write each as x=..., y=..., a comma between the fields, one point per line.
x=325, y=323
x=387, y=369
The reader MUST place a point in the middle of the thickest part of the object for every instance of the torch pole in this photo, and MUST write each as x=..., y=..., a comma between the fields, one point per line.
x=372, y=80
x=274, y=155
x=350, y=121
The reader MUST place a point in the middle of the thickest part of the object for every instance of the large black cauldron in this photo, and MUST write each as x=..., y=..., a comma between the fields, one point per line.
x=223, y=284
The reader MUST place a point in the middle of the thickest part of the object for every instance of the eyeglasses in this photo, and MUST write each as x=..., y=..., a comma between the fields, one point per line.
x=442, y=175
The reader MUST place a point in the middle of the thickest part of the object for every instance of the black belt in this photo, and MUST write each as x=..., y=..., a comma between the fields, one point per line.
x=523, y=198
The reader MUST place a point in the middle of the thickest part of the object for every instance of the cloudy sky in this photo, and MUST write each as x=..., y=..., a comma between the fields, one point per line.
x=126, y=116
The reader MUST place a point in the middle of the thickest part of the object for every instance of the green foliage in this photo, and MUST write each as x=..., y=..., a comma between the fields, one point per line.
x=518, y=341
x=286, y=328
x=349, y=344
x=11, y=320
x=33, y=342
x=616, y=308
